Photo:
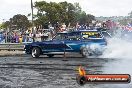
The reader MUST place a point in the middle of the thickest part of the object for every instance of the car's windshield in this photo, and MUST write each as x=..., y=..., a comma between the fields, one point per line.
x=91, y=35
x=73, y=36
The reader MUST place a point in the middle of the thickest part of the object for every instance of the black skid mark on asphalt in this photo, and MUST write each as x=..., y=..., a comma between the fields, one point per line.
x=6, y=71
x=1, y=86
x=40, y=62
x=5, y=86
x=40, y=68
x=78, y=64
x=65, y=60
x=13, y=64
x=5, y=79
x=45, y=68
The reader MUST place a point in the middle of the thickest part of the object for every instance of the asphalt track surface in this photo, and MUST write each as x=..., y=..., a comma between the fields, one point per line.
x=23, y=71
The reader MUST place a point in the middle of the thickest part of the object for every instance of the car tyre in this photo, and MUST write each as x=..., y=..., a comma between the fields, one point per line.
x=35, y=52
x=85, y=52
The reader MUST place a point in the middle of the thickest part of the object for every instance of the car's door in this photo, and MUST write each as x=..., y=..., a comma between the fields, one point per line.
x=57, y=44
x=73, y=42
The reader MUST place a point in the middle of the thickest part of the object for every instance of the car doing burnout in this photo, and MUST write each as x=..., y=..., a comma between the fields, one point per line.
x=85, y=42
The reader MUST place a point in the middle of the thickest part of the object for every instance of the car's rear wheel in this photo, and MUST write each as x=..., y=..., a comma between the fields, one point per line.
x=85, y=52
x=50, y=55
x=35, y=52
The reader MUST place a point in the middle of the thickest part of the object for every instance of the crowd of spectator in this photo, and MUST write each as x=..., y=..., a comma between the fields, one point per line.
x=27, y=36
x=18, y=37
x=48, y=33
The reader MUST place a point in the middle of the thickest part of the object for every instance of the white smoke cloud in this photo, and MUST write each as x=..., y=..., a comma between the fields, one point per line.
x=118, y=48
x=120, y=51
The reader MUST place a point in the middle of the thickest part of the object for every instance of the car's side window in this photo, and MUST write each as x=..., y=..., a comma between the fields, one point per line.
x=73, y=37
x=69, y=36
x=59, y=37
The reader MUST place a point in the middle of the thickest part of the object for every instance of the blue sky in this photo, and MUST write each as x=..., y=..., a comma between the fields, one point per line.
x=9, y=8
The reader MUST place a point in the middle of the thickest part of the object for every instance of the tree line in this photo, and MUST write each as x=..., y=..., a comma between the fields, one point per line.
x=126, y=19
x=62, y=12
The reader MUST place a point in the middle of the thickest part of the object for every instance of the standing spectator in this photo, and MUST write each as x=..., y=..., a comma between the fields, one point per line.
x=24, y=39
x=30, y=37
x=13, y=38
x=20, y=39
x=45, y=35
x=109, y=24
x=64, y=26
x=50, y=25
x=9, y=37
x=98, y=24
x=38, y=36
x=17, y=38
x=77, y=26
x=104, y=24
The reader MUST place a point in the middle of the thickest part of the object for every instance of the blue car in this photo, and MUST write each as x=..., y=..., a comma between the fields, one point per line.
x=85, y=42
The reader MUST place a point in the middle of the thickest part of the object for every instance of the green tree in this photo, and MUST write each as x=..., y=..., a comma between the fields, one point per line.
x=127, y=19
x=6, y=24
x=62, y=12
x=20, y=22
x=130, y=14
x=85, y=18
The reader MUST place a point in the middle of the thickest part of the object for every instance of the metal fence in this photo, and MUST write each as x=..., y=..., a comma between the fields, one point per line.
x=12, y=46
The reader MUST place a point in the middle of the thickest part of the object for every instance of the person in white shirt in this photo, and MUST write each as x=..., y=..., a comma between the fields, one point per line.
x=63, y=27
x=38, y=36
x=44, y=35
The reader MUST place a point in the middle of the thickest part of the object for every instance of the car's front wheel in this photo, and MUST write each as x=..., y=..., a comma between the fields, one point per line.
x=35, y=52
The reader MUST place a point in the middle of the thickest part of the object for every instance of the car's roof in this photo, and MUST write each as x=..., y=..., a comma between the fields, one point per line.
x=65, y=32
x=88, y=30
